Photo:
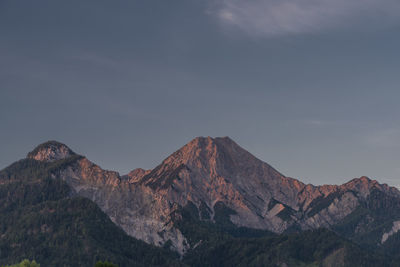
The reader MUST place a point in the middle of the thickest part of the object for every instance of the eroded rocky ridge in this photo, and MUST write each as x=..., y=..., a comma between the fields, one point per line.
x=204, y=172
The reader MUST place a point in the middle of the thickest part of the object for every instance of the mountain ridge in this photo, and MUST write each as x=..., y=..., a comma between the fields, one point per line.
x=48, y=145
x=206, y=172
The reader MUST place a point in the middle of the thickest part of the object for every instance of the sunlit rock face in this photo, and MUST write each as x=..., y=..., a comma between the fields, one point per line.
x=51, y=151
x=204, y=172
x=137, y=209
x=135, y=175
x=208, y=171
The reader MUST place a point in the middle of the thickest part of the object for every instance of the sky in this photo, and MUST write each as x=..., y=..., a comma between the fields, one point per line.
x=308, y=86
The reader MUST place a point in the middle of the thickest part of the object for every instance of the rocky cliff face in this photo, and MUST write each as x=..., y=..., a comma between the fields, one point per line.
x=205, y=172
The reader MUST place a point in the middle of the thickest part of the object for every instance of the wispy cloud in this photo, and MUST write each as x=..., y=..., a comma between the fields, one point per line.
x=281, y=17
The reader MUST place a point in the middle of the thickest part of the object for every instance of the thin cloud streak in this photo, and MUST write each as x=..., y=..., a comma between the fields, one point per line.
x=282, y=17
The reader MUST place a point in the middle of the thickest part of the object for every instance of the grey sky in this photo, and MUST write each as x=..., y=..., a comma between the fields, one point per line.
x=280, y=17
x=314, y=92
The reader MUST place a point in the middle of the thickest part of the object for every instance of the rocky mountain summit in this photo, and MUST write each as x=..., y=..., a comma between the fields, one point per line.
x=51, y=151
x=210, y=173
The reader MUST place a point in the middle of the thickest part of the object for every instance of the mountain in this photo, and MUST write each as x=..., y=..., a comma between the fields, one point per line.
x=41, y=219
x=212, y=193
x=216, y=171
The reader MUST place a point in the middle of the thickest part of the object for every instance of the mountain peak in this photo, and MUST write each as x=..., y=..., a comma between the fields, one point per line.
x=364, y=185
x=208, y=142
x=50, y=151
x=362, y=181
x=209, y=151
x=204, y=141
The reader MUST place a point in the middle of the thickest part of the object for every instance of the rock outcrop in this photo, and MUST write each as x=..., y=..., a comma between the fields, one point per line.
x=395, y=229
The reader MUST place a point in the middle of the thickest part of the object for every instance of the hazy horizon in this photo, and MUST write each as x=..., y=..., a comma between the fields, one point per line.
x=309, y=87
